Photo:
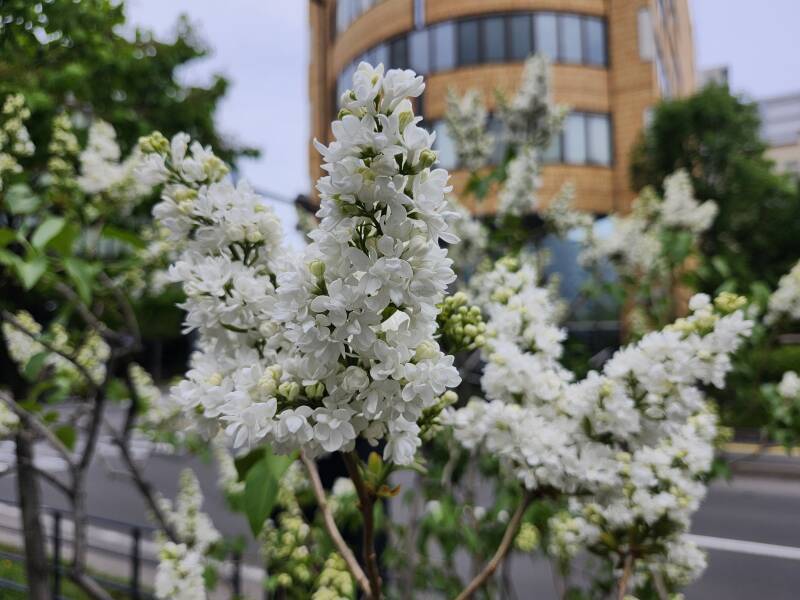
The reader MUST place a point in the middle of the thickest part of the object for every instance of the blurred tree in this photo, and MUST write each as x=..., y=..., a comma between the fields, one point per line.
x=714, y=135
x=78, y=55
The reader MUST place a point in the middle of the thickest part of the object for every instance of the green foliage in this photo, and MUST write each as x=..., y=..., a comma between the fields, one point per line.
x=714, y=136
x=77, y=56
x=261, y=471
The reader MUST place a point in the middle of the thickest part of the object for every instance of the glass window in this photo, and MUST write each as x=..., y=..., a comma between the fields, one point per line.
x=382, y=55
x=398, y=53
x=444, y=47
x=595, y=38
x=419, y=51
x=570, y=46
x=552, y=153
x=575, y=139
x=468, y=43
x=520, y=42
x=599, y=130
x=647, y=44
x=546, y=35
x=445, y=146
x=494, y=39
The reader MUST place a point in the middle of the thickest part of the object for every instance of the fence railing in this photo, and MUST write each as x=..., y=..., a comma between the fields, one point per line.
x=130, y=550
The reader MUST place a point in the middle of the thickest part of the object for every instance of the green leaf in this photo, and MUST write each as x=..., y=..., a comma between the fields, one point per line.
x=65, y=239
x=261, y=488
x=7, y=235
x=31, y=271
x=721, y=266
x=67, y=434
x=21, y=200
x=245, y=463
x=130, y=238
x=82, y=275
x=34, y=365
x=9, y=259
x=46, y=231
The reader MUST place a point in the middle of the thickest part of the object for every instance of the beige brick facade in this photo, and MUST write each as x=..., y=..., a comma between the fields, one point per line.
x=626, y=89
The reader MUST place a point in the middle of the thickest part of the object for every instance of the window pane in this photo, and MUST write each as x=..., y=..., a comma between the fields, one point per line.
x=444, y=145
x=494, y=39
x=419, y=52
x=444, y=47
x=398, y=50
x=521, y=43
x=647, y=42
x=595, y=41
x=575, y=139
x=570, y=39
x=382, y=55
x=599, y=139
x=546, y=35
x=467, y=42
x=552, y=153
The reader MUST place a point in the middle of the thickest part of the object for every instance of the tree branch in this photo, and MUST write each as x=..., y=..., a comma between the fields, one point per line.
x=367, y=505
x=626, y=575
x=125, y=308
x=502, y=550
x=12, y=320
x=143, y=485
x=89, y=585
x=333, y=530
x=40, y=428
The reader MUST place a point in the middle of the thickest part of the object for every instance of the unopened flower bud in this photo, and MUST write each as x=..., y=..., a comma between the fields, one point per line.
x=426, y=158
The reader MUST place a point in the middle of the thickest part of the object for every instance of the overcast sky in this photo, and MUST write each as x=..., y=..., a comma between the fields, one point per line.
x=262, y=47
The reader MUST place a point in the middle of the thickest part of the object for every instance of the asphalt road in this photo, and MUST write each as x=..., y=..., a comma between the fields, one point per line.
x=755, y=519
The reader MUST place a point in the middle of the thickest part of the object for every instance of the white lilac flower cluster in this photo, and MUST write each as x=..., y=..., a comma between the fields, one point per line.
x=466, y=120
x=631, y=444
x=8, y=421
x=103, y=173
x=518, y=196
x=15, y=142
x=635, y=243
x=531, y=120
x=91, y=355
x=561, y=216
x=531, y=117
x=471, y=250
x=316, y=350
x=789, y=387
x=182, y=564
x=784, y=303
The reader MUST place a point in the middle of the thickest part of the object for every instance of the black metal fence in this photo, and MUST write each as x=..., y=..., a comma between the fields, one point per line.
x=132, y=586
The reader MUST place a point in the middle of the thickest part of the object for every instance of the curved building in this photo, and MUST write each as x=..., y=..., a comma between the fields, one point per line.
x=612, y=60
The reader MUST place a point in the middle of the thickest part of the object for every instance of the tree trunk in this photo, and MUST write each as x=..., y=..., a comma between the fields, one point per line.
x=36, y=566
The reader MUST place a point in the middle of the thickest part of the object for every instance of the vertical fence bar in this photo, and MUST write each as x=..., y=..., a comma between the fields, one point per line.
x=56, y=555
x=236, y=576
x=136, y=536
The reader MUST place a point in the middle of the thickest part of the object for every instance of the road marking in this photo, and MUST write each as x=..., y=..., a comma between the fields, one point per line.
x=745, y=547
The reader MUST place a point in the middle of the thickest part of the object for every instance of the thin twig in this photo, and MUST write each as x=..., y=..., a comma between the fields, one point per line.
x=330, y=525
x=502, y=550
x=88, y=585
x=367, y=506
x=145, y=488
x=125, y=308
x=40, y=428
x=626, y=575
x=12, y=320
x=86, y=314
x=52, y=480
